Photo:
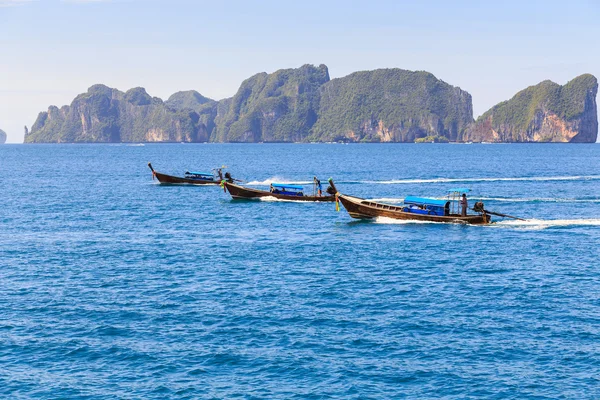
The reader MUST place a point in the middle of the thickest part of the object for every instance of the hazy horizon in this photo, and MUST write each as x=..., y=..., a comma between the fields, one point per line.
x=54, y=50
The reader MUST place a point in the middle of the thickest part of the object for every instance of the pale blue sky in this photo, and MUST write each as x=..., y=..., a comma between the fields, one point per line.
x=51, y=50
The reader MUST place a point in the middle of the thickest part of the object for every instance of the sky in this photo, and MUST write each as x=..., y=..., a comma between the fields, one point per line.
x=52, y=50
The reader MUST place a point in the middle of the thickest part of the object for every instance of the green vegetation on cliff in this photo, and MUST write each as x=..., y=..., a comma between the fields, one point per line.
x=107, y=115
x=432, y=139
x=391, y=105
x=289, y=105
x=303, y=104
x=384, y=105
x=277, y=107
x=190, y=100
x=544, y=112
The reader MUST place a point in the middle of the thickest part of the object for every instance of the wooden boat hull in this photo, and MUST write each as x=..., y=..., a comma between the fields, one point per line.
x=176, y=180
x=365, y=209
x=165, y=179
x=240, y=192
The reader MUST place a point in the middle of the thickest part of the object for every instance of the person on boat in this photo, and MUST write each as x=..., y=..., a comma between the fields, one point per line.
x=318, y=186
x=463, y=205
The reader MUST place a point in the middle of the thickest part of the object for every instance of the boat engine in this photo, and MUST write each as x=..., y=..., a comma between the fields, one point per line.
x=228, y=177
x=478, y=207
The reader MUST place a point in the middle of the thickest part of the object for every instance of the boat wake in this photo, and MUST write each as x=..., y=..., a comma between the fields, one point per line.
x=538, y=224
x=473, y=180
x=397, y=200
x=276, y=179
x=275, y=199
x=392, y=200
x=530, y=224
x=536, y=200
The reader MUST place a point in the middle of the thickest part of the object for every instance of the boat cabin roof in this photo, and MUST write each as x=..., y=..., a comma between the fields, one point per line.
x=198, y=173
x=425, y=201
x=287, y=186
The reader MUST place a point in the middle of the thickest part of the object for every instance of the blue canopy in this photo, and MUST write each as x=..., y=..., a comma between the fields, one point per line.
x=287, y=186
x=199, y=173
x=459, y=190
x=425, y=201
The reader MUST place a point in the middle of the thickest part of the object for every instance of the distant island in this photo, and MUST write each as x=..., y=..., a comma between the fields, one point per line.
x=546, y=112
x=2, y=137
x=305, y=105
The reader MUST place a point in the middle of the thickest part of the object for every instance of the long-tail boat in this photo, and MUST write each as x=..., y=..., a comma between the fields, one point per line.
x=281, y=191
x=189, y=178
x=415, y=208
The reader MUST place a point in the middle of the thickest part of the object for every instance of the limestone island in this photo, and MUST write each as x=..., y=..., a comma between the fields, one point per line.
x=305, y=105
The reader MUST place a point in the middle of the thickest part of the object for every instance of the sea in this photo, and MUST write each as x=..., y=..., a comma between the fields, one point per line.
x=115, y=287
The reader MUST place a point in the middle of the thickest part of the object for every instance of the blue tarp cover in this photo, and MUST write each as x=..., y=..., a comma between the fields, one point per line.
x=200, y=173
x=287, y=186
x=426, y=201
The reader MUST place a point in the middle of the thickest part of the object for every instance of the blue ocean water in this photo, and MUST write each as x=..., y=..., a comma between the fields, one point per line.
x=114, y=287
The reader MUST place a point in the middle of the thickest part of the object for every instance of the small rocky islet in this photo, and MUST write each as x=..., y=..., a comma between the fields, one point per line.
x=305, y=105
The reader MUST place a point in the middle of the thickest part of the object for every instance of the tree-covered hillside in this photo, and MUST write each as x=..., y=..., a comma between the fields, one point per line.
x=391, y=105
x=546, y=112
x=187, y=100
x=277, y=107
x=107, y=115
x=304, y=105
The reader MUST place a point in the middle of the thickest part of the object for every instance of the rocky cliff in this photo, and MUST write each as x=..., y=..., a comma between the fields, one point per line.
x=107, y=115
x=2, y=137
x=277, y=107
x=388, y=105
x=546, y=112
x=303, y=104
x=391, y=105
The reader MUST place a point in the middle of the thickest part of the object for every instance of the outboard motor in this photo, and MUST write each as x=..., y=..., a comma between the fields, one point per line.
x=478, y=207
x=228, y=177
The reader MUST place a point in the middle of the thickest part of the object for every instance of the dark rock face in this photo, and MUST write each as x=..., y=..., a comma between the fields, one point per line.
x=2, y=137
x=107, y=115
x=391, y=105
x=546, y=112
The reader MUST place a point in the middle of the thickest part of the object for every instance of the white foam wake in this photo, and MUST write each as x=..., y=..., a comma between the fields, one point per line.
x=467, y=180
x=535, y=224
x=388, y=200
x=536, y=200
x=275, y=199
x=395, y=200
x=276, y=179
x=530, y=224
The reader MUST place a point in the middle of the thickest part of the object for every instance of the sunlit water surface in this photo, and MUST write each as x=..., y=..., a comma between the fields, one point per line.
x=112, y=286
